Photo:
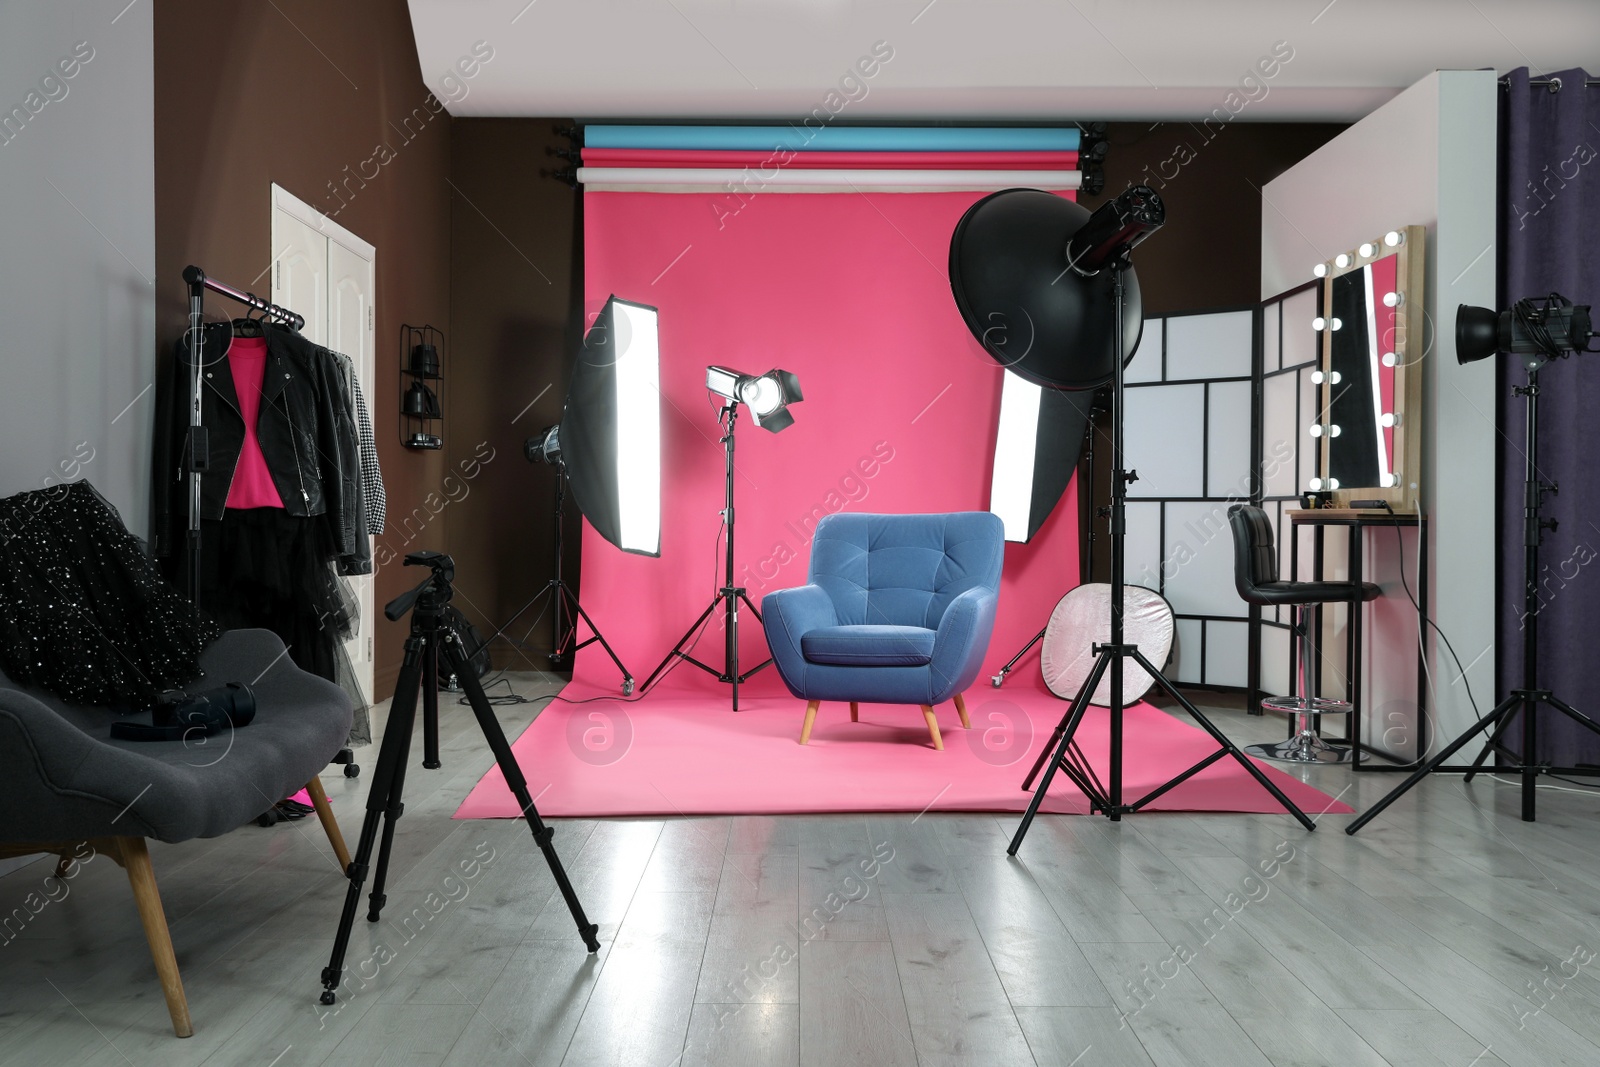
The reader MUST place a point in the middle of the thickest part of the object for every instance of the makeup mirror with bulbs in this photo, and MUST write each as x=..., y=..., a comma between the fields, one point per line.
x=1369, y=376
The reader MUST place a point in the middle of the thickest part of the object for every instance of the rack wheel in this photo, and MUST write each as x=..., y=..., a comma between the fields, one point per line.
x=352, y=770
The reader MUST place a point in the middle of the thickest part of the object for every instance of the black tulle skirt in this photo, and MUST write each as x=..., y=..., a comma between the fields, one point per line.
x=262, y=567
x=84, y=611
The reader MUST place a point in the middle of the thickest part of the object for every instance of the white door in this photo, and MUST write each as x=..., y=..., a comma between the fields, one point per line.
x=325, y=272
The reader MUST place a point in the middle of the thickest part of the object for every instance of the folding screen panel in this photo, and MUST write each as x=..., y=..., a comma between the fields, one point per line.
x=1189, y=436
x=1286, y=453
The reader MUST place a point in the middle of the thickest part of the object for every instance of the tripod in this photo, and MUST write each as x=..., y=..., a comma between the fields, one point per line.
x=430, y=636
x=1527, y=699
x=1062, y=752
x=729, y=596
x=568, y=610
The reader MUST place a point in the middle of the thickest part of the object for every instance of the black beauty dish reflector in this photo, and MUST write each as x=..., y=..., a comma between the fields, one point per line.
x=608, y=442
x=1042, y=308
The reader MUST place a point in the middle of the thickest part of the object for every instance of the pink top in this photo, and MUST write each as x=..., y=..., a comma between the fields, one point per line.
x=252, y=482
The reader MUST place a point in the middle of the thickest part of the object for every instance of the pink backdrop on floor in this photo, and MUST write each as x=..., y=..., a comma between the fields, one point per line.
x=850, y=292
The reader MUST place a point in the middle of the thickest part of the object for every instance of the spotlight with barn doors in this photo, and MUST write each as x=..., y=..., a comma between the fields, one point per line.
x=768, y=397
x=608, y=446
x=1024, y=255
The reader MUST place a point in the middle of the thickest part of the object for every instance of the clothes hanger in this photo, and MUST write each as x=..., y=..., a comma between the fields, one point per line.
x=248, y=326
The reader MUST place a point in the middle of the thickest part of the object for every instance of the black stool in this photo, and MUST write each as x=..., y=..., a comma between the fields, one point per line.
x=1255, y=575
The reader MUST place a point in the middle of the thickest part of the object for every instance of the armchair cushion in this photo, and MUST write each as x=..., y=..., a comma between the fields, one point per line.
x=869, y=646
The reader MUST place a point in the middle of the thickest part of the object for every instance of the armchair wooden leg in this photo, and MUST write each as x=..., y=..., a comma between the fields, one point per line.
x=136, y=859
x=811, y=717
x=961, y=709
x=855, y=711
x=330, y=825
x=933, y=727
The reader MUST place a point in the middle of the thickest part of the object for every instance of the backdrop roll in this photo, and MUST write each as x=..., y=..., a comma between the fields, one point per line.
x=850, y=292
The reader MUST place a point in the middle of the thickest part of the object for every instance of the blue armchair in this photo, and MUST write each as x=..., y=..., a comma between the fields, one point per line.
x=897, y=609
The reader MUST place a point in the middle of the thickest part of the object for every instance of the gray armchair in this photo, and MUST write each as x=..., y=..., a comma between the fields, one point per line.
x=67, y=783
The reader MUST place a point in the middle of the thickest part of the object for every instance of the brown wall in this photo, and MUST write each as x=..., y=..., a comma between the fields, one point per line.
x=1209, y=253
x=296, y=92
x=515, y=302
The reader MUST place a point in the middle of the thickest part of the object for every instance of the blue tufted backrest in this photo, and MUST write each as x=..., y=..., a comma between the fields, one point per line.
x=903, y=570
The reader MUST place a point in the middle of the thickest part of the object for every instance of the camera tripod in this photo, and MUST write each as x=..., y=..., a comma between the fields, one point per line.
x=430, y=636
x=1526, y=700
x=1062, y=751
x=568, y=610
x=728, y=597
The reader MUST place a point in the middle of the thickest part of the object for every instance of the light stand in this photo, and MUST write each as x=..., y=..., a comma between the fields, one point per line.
x=729, y=596
x=431, y=635
x=1527, y=699
x=568, y=610
x=1063, y=753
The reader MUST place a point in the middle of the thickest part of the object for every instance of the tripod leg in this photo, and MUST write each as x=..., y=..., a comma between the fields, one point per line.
x=567, y=597
x=731, y=653
x=383, y=800
x=1223, y=740
x=1504, y=708
x=677, y=649
x=517, y=784
x=1488, y=748
x=743, y=675
x=1061, y=728
x=1067, y=733
x=430, y=706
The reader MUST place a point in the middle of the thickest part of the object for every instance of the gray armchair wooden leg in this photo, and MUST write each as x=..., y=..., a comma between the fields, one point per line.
x=134, y=856
x=330, y=825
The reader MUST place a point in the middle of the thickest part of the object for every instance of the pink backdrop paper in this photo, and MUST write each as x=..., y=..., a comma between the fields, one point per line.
x=850, y=292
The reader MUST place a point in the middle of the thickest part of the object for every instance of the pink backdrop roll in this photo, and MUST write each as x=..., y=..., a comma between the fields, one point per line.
x=850, y=292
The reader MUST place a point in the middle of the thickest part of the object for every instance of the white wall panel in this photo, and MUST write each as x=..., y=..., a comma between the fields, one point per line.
x=1228, y=444
x=1165, y=436
x=1209, y=346
x=1227, y=653
x=1280, y=431
x=1146, y=363
x=1143, y=545
x=1199, y=554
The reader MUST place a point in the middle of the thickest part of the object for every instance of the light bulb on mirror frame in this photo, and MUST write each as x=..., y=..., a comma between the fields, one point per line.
x=1393, y=300
x=1342, y=260
x=1333, y=483
x=1386, y=481
x=1333, y=431
x=1319, y=324
x=1315, y=484
x=1388, y=419
x=1367, y=249
x=1394, y=238
x=1389, y=359
x=1320, y=270
x=1316, y=377
x=1335, y=323
x=1334, y=377
x=1315, y=429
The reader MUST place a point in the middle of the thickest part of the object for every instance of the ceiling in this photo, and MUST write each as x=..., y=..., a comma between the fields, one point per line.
x=977, y=59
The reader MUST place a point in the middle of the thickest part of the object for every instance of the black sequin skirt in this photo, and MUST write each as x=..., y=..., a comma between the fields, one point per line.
x=262, y=567
x=84, y=611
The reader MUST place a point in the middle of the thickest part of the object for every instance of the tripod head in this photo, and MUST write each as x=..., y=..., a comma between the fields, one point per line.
x=436, y=588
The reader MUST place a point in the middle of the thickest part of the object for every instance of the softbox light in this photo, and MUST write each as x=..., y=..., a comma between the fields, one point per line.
x=1038, y=432
x=609, y=437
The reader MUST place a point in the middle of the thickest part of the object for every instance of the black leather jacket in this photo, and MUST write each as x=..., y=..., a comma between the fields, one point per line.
x=305, y=426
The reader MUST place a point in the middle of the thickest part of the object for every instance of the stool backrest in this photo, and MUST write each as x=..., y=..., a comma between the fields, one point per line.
x=1255, y=559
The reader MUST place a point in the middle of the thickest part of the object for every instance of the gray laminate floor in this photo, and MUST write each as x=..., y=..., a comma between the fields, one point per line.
x=1447, y=933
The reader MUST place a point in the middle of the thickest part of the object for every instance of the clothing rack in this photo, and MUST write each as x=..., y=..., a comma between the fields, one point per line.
x=197, y=452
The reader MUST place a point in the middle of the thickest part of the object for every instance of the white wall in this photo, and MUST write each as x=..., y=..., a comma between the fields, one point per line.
x=1428, y=157
x=77, y=249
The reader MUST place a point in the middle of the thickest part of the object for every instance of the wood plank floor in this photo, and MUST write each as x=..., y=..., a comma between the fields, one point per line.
x=1447, y=933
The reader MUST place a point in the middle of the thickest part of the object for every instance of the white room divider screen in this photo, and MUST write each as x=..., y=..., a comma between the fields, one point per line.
x=1286, y=458
x=1191, y=413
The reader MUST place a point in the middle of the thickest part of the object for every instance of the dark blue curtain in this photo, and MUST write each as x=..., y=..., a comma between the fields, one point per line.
x=1549, y=237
